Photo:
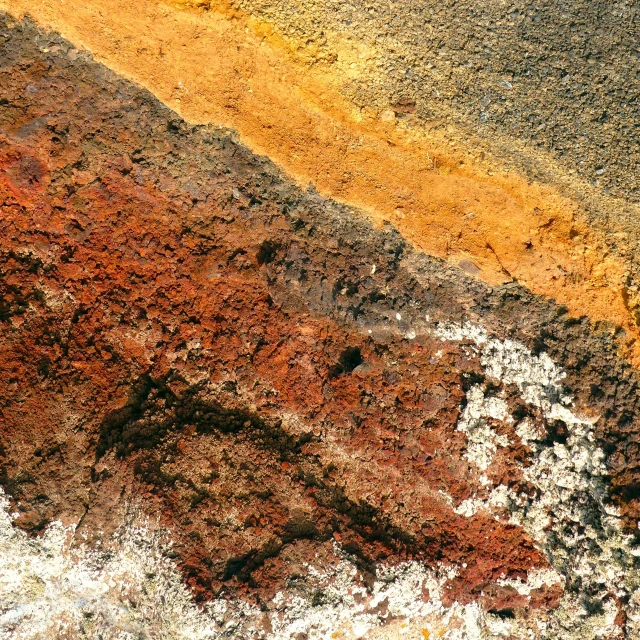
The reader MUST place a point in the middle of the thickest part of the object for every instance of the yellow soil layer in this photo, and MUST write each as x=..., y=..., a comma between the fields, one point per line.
x=224, y=68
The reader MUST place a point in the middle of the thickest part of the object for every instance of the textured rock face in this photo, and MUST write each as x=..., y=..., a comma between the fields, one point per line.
x=312, y=412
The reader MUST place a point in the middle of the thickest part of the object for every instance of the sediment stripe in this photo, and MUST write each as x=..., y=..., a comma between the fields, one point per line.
x=498, y=227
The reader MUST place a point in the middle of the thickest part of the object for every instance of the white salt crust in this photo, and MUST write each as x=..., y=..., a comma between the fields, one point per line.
x=50, y=589
x=570, y=518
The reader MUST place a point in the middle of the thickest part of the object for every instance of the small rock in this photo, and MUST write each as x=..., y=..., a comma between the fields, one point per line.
x=387, y=116
x=469, y=267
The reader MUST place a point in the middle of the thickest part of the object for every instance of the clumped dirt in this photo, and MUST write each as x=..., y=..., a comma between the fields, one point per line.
x=184, y=326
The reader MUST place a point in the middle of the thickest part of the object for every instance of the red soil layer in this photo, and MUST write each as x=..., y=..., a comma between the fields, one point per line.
x=150, y=355
x=115, y=309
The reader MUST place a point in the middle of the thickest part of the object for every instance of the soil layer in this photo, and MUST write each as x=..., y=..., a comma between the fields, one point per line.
x=182, y=325
x=292, y=98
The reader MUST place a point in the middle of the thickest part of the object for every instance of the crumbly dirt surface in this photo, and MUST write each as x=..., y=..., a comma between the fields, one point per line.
x=300, y=100
x=563, y=78
x=270, y=375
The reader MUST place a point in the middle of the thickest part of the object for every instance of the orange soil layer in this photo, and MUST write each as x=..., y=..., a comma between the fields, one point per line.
x=213, y=68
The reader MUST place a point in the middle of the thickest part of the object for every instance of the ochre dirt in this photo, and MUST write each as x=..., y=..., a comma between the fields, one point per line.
x=226, y=68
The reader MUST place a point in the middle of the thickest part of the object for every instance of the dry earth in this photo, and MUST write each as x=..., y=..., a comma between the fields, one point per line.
x=235, y=406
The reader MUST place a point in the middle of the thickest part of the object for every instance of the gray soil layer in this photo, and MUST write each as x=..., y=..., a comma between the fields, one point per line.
x=560, y=76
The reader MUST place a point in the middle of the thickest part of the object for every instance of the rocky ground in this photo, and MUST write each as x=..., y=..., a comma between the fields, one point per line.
x=222, y=388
